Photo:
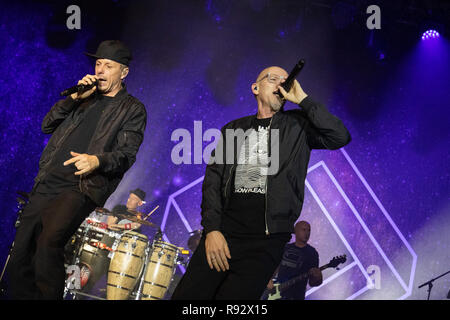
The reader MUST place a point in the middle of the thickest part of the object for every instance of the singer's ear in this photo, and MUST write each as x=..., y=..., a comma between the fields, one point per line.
x=254, y=88
x=124, y=73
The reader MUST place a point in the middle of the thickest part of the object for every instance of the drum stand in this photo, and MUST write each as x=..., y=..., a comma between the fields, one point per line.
x=77, y=292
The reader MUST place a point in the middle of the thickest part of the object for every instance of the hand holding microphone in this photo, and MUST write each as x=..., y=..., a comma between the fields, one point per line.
x=295, y=94
x=290, y=89
x=83, y=89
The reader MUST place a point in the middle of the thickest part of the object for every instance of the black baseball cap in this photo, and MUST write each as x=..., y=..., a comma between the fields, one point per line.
x=113, y=50
x=139, y=193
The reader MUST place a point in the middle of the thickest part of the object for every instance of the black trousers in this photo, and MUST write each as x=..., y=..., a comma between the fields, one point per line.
x=252, y=264
x=36, y=267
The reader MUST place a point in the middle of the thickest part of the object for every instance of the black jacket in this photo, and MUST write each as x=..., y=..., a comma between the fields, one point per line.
x=117, y=138
x=313, y=127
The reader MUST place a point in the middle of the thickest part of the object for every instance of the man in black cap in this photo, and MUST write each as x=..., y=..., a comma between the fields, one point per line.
x=135, y=200
x=95, y=137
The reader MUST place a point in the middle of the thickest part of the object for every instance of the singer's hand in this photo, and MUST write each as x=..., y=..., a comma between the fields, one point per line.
x=295, y=95
x=217, y=251
x=87, y=80
x=85, y=163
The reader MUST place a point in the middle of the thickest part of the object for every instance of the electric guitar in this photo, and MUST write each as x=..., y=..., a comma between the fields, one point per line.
x=278, y=287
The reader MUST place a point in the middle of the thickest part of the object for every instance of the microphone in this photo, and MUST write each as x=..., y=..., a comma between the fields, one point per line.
x=80, y=88
x=287, y=85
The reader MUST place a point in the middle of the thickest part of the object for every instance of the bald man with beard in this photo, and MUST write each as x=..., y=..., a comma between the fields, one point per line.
x=249, y=206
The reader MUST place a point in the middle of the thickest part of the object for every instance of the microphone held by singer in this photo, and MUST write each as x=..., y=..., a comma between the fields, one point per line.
x=79, y=88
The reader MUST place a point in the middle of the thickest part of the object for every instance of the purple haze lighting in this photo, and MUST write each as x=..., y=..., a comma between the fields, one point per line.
x=430, y=34
x=177, y=180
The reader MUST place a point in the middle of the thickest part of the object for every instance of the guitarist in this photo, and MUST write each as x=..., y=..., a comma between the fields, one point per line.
x=298, y=257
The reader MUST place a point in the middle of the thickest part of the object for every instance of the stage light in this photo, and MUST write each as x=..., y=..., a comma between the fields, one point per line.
x=430, y=34
x=177, y=180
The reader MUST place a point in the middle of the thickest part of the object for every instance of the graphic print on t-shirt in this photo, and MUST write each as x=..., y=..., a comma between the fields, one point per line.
x=292, y=259
x=251, y=171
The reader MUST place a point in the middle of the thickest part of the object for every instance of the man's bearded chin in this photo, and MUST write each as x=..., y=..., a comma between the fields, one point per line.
x=276, y=105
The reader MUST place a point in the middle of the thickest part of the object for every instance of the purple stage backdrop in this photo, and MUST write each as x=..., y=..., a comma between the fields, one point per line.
x=383, y=200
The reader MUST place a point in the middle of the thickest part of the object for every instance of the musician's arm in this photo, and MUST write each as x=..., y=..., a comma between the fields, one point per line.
x=275, y=274
x=135, y=225
x=315, y=275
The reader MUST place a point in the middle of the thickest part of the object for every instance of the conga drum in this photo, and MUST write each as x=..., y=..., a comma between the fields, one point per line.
x=126, y=265
x=95, y=258
x=72, y=246
x=160, y=269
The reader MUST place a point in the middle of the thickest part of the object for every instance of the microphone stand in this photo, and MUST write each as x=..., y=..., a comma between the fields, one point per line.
x=430, y=283
x=21, y=203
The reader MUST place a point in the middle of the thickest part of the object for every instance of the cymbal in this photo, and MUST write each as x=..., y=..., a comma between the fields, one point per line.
x=128, y=213
x=137, y=220
x=134, y=212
